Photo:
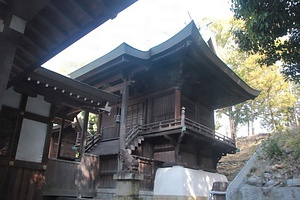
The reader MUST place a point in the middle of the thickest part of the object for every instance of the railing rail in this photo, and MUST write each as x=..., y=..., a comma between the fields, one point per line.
x=188, y=123
x=208, y=131
x=165, y=124
x=170, y=124
x=92, y=141
x=132, y=134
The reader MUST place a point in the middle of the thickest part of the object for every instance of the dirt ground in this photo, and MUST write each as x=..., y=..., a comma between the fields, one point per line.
x=231, y=164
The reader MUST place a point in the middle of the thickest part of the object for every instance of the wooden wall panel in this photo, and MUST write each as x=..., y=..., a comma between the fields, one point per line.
x=205, y=116
x=188, y=158
x=22, y=184
x=108, y=167
x=110, y=129
x=190, y=108
x=166, y=156
x=146, y=168
x=83, y=177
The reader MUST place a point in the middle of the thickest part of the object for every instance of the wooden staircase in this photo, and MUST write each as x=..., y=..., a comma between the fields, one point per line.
x=133, y=138
x=91, y=141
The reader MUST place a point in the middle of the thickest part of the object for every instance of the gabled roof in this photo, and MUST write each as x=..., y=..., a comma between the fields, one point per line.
x=219, y=83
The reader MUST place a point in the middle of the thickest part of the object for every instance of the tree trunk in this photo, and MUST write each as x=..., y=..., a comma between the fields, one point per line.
x=252, y=120
x=232, y=127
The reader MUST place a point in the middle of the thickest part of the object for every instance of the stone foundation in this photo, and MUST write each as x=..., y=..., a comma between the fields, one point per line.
x=128, y=185
x=181, y=183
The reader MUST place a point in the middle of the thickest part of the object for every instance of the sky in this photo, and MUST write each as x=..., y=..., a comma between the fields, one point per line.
x=142, y=25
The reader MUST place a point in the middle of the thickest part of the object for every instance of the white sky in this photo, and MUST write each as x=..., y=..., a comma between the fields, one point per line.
x=143, y=25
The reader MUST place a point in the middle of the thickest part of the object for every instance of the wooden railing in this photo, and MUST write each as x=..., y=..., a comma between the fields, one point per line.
x=161, y=125
x=132, y=134
x=170, y=124
x=92, y=141
x=185, y=123
x=203, y=130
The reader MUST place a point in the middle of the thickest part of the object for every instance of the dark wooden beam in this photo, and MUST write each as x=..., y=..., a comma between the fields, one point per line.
x=124, y=107
x=83, y=133
x=9, y=38
x=60, y=138
x=109, y=80
x=64, y=43
x=68, y=84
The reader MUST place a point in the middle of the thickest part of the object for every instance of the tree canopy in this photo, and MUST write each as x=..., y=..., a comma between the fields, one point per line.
x=274, y=108
x=272, y=29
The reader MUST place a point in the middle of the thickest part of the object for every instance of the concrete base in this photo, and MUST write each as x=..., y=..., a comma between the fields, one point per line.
x=182, y=183
x=128, y=185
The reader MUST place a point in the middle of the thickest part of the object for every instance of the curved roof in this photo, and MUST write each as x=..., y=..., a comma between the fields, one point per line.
x=188, y=42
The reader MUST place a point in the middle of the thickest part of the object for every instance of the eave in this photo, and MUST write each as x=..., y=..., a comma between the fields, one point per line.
x=64, y=91
x=50, y=27
x=220, y=84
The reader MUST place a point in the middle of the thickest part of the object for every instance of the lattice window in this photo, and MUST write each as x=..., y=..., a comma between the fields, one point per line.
x=163, y=107
x=134, y=114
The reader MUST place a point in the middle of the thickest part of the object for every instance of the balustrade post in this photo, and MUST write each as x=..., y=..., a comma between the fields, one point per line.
x=182, y=122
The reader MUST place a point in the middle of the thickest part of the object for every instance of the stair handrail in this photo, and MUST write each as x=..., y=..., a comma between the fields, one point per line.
x=133, y=133
x=91, y=142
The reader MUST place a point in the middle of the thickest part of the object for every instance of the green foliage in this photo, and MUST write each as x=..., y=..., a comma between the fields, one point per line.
x=93, y=123
x=295, y=145
x=276, y=103
x=271, y=28
x=284, y=143
x=272, y=148
x=292, y=142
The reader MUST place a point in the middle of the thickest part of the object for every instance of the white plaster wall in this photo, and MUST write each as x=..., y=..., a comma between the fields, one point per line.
x=31, y=141
x=180, y=181
x=38, y=106
x=11, y=98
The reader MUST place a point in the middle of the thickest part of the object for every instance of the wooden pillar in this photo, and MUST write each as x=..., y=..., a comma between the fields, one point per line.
x=99, y=123
x=124, y=107
x=149, y=110
x=177, y=102
x=83, y=133
x=60, y=138
x=182, y=118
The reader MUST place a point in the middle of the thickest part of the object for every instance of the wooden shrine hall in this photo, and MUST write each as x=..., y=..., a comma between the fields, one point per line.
x=165, y=118
x=33, y=101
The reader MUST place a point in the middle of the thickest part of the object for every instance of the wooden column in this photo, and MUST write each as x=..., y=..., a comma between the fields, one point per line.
x=99, y=123
x=124, y=107
x=84, y=130
x=59, y=138
x=177, y=102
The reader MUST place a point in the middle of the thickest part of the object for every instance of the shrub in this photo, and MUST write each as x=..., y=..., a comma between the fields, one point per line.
x=272, y=148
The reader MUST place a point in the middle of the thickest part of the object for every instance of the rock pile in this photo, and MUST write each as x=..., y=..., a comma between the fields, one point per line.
x=275, y=172
x=230, y=165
